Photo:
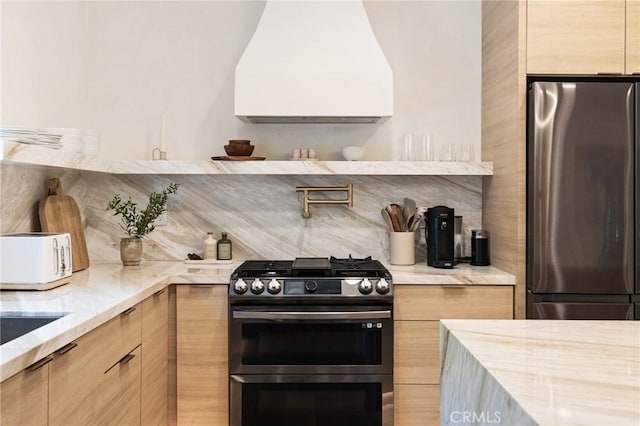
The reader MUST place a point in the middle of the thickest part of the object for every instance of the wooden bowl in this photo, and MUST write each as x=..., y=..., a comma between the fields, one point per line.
x=239, y=148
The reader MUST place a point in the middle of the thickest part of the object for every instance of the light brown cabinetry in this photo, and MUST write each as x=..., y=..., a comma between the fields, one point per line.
x=202, y=355
x=116, y=374
x=417, y=311
x=24, y=397
x=583, y=37
x=86, y=374
x=155, y=353
x=632, y=64
x=118, y=395
x=575, y=37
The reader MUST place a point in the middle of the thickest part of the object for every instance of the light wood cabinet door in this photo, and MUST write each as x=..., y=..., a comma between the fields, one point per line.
x=155, y=354
x=416, y=405
x=416, y=357
x=633, y=37
x=117, y=397
x=24, y=397
x=434, y=302
x=78, y=370
x=202, y=354
x=417, y=311
x=575, y=37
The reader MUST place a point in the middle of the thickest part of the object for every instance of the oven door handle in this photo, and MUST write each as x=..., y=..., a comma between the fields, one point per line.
x=311, y=315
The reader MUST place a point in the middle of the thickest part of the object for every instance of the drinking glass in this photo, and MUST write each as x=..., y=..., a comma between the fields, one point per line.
x=465, y=152
x=448, y=152
x=407, y=153
x=423, y=149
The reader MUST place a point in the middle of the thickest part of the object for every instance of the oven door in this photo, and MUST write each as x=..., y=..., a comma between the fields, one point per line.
x=316, y=400
x=303, y=339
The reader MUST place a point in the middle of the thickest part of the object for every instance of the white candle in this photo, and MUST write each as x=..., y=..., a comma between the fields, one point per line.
x=162, y=147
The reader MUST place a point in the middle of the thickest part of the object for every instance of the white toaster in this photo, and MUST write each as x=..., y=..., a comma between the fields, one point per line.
x=34, y=260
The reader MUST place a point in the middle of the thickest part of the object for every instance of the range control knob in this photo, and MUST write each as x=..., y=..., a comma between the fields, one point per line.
x=257, y=286
x=382, y=286
x=240, y=287
x=274, y=286
x=311, y=286
x=365, y=286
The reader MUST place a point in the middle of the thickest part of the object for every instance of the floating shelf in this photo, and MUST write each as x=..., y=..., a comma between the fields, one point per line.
x=34, y=155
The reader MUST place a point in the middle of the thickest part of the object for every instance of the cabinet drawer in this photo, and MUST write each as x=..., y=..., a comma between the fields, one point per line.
x=118, y=396
x=416, y=405
x=416, y=302
x=416, y=356
x=77, y=370
x=123, y=332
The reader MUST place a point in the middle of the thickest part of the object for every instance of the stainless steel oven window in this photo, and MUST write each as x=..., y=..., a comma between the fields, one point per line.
x=284, y=340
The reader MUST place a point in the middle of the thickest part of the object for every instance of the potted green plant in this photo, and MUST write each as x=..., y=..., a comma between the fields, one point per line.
x=138, y=224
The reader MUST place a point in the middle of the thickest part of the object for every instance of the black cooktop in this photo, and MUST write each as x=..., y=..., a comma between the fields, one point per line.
x=316, y=267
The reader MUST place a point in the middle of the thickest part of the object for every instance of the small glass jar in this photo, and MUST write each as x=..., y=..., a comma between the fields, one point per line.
x=224, y=248
x=209, y=247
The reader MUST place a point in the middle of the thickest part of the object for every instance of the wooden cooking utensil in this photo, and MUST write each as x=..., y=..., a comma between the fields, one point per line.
x=387, y=219
x=398, y=215
x=60, y=213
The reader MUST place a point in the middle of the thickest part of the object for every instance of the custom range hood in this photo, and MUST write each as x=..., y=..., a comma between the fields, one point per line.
x=313, y=61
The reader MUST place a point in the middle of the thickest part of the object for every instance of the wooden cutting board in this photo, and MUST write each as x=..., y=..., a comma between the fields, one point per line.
x=60, y=213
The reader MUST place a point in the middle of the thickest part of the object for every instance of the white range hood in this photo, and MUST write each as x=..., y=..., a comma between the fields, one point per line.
x=313, y=61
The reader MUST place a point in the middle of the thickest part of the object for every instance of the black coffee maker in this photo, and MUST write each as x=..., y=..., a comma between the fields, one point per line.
x=439, y=234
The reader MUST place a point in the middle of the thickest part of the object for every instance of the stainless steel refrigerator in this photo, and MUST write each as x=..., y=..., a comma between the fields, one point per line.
x=583, y=226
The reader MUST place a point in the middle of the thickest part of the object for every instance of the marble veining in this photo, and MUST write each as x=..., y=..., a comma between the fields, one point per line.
x=540, y=372
x=17, y=152
x=93, y=297
x=262, y=214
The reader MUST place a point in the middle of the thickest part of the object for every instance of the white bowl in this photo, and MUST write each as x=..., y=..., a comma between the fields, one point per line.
x=352, y=153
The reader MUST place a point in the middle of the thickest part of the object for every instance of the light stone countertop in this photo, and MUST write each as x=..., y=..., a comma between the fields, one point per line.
x=104, y=290
x=540, y=372
x=462, y=274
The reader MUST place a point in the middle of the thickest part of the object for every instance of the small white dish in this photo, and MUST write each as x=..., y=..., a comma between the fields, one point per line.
x=352, y=153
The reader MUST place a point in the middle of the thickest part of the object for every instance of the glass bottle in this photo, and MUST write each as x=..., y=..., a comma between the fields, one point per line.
x=224, y=247
x=209, y=250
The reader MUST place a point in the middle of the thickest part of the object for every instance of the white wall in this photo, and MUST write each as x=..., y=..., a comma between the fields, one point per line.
x=116, y=66
x=43, y=58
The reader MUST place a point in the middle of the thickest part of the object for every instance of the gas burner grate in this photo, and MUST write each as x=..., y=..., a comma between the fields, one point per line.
x=350, y=260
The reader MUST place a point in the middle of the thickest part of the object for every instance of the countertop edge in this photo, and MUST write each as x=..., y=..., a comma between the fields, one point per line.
x=131, y=285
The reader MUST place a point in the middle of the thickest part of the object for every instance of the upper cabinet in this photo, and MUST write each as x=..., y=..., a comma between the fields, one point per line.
x=580, y=37
x=633, y=37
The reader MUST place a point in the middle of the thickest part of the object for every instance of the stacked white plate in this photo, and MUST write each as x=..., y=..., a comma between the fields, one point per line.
x=29, y=136
x=84, y=141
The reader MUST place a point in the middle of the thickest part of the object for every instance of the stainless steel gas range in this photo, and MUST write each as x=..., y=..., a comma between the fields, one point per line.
x=311, y=343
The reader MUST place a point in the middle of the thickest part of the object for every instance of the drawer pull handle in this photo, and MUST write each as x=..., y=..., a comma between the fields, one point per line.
x=66, y=348
x=159, y=292
x=125, y=359
x=128, y=311
x=44, y=361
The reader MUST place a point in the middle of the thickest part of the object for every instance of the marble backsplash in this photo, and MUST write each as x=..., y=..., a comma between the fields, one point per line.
x=261, y=213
